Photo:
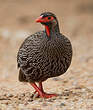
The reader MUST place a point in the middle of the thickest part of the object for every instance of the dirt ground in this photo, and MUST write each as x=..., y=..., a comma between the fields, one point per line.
x=75, y=87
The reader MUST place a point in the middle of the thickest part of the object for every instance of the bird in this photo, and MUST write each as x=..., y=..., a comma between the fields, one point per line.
x=44, y=54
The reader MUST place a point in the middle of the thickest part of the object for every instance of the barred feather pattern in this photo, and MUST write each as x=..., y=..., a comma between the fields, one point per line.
x=40, y=57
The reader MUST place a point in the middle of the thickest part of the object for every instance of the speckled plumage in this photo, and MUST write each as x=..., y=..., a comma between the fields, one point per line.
x=41, y=57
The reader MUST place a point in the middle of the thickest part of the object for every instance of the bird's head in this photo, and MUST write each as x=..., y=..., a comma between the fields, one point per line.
x=49, y=20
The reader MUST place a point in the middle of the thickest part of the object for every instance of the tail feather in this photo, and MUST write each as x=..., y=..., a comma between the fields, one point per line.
x=22, y=77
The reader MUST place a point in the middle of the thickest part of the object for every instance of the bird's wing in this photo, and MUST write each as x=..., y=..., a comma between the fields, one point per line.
x=28, y=48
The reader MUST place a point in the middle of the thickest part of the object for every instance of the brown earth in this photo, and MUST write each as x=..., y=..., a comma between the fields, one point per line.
x=75, y=87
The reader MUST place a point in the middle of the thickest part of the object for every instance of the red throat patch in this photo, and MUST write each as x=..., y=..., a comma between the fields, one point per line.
x=47, y=31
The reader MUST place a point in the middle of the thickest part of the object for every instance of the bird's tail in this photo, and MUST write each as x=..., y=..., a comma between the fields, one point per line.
x=22, y=77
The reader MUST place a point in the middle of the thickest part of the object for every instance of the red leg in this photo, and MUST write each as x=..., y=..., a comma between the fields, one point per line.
x=46, y=95
x=40, y=91
x=37, y=89
x=41, y=88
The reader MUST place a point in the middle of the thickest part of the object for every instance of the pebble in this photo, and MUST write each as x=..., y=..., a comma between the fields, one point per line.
x=44, y=104
x=9, y=95
x=62, y=104
x=56, y=78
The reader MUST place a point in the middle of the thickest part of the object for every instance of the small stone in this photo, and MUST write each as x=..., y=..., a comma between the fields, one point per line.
x=6, y=103
x=66, y=98
x=19, y=98
x=50, y=100
x=5, y=95
x=30, y=100
x=44, y=104
x=9, y=95
x=22, y=95
x=35, y=109
x=78, y=88
x=56, y=79
x=65, y=81
x=26, y=103
x=62, y=104
x=16, y=96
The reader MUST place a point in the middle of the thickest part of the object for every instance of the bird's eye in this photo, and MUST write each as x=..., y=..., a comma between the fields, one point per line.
x=49, y=17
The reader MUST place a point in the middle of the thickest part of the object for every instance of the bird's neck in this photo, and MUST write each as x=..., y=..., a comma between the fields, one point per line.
x=52, y=29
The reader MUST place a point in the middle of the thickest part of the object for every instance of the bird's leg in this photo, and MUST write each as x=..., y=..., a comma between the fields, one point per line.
x=45, y=95
x=41, y=92
x=40, y=87
x=37, y=89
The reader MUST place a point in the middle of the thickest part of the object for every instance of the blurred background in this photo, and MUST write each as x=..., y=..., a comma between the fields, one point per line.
x=17, y=21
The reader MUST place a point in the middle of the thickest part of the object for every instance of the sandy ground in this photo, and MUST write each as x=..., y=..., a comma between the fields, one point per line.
x=75, y=87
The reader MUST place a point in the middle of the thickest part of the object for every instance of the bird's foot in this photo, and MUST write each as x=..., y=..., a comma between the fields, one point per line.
x=41, y=92
x=44, y=95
